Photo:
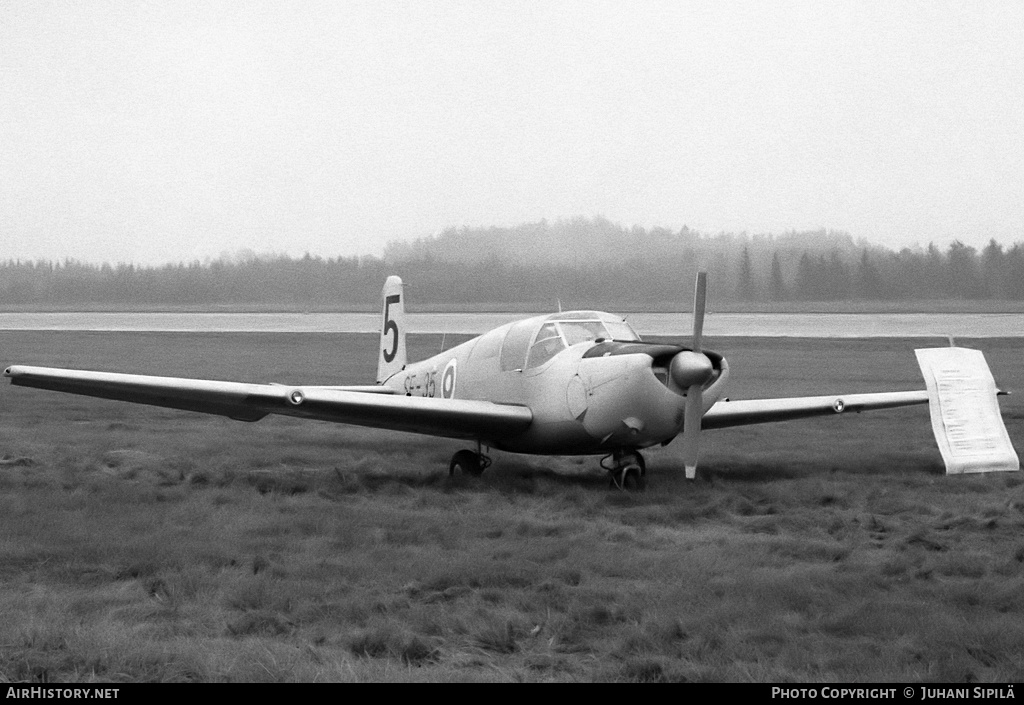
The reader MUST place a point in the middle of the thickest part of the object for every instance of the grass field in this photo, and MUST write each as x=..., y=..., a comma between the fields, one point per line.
x=146, y=544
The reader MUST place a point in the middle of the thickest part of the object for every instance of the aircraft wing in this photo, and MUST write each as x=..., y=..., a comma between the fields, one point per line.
x=451, y=418
x=751, y=411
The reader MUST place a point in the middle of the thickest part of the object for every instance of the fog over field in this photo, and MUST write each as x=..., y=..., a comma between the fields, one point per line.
x=583, y=263
x=148, y=133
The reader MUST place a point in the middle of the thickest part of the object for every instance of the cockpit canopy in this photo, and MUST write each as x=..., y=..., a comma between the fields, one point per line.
x=537, y=340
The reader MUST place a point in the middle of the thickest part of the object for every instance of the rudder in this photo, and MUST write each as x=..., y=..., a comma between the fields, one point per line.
x=391, y=358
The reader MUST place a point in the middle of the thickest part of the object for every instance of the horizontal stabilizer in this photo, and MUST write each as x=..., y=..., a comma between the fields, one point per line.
x=965, y=414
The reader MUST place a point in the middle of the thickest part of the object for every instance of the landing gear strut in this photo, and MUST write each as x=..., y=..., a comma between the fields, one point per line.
x=468, y=462
x=627, y=471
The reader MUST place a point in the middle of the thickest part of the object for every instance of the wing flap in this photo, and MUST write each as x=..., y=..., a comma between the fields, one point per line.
x=452, y=418
x=752, y=411
x=361, y=388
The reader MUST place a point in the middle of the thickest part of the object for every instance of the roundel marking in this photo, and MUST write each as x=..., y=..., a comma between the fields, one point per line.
x=448, y=380
x=838, y=405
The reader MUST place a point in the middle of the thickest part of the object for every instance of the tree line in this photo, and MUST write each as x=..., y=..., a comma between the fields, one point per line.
x=582, y=262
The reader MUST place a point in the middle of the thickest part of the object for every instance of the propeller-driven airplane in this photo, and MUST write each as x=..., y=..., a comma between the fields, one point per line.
x=568, y=383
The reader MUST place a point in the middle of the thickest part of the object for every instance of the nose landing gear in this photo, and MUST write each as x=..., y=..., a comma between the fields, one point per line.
x=627, y=471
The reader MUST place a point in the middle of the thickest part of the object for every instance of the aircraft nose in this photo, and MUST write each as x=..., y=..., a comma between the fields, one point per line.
x=689, y=368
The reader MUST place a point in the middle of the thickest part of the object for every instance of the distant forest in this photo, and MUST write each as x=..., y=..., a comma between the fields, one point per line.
x=580, y=262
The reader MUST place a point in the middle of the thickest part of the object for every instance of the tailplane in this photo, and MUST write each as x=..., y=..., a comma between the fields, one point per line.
x=391, y=356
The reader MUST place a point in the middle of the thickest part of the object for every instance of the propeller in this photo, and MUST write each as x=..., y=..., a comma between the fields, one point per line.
x=690, y=371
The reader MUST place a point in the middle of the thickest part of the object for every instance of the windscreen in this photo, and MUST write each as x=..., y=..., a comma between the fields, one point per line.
x=620, y=330
x=556, y=333
x=580, y=326
x=580, y=331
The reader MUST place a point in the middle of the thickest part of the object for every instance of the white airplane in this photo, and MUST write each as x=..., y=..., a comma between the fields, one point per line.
x=568, y=383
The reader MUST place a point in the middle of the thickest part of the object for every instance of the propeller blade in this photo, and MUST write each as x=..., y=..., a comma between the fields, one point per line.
x=700, y=297
x=691, y=429
x=694, y=409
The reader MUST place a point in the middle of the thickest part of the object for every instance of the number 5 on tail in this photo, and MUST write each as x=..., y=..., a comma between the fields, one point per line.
x=392, y=333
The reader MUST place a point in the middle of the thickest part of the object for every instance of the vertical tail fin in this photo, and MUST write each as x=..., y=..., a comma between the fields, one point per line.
x=391, y=357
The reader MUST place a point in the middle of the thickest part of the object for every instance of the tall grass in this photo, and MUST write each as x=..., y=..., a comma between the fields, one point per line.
x=142, y=544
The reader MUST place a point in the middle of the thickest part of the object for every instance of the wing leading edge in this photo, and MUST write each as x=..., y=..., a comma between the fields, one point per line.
x=451, y=418
x=751, y=411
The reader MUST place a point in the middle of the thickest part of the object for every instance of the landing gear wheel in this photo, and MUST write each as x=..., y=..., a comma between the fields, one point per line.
x=633, y=479
x=466, y=462
x=628, y=472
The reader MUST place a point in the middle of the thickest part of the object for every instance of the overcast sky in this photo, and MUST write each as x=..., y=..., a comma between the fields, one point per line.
x=169, y=130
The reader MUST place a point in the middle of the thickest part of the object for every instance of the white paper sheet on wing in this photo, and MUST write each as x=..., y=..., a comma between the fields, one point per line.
x=965, y=411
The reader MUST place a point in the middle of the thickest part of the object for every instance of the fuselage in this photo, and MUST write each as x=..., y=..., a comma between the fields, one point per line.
x=590, y=383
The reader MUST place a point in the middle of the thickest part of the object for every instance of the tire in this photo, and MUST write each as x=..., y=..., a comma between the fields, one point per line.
x=634, y=480
x=635, y=459
x=465, y=462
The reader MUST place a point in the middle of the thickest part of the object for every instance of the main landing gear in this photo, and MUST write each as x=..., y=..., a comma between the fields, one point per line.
x=627, y=471
x=468, y=462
